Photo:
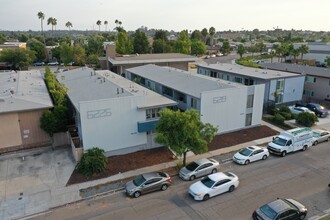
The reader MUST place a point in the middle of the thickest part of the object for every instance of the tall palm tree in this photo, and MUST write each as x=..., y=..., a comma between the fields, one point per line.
x=54, y=22
x=99, y=24
x=68, y=25
x=106, y=25
x=212, y=32
x=50, y=22
x=116, y=22
x=41, y=16
x=303, y=50
x=119, y=22
x=295, y=52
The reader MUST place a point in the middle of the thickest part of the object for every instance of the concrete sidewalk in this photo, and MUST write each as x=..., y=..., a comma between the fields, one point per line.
x=34, y=181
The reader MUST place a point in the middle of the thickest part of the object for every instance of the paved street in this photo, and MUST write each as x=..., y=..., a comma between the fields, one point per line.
x=303, y=176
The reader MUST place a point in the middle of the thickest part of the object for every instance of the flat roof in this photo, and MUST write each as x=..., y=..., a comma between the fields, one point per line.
x=300, y=69
x=151, y=58
x=248, y=71
x=85, y=84
x=23, y=91
x=180, y=80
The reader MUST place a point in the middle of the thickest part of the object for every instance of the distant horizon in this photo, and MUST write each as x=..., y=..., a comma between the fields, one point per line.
x=239, y=15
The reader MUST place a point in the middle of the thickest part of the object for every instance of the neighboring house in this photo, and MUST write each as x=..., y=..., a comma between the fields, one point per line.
x=317, y=80
x=226, y=105
x=49, y=53
x=318, y=51
x=23, y=99
x=12, y=45
x=112, y=112
x=119, y=64
x=280, y=87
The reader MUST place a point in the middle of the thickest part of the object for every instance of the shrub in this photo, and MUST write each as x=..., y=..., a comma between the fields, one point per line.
x=285, y=108
x=306, y=119
x=92, y=162
x=278, y=119
x=286, y=115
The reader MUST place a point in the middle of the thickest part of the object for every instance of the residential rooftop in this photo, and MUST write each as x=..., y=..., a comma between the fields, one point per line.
x=180, y=80
x=151, y=58
x=300, y=69
x=23, y=91
x=85, y=84
x=265, y=74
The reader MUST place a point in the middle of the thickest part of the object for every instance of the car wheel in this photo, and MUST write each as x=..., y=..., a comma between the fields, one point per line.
x=231, y=188
x=137, y=194
x=302, y=216
x=283, y=154
x=164, y=187
x=328, y=139
x=264, y=157
x=304, y=148
x=214, y=170
x=206, y=197
x=247, y=162
x=315, y=143
x=192, y=178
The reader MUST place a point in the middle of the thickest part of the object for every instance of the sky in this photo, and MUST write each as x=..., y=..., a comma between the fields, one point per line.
x=177, y=15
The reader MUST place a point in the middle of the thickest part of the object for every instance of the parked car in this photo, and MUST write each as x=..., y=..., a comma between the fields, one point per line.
x=318, y=109
x=281, y=209
x=53, y=63
x=219, y=54
x=38, y=64
x=198, y=168
x=148, y=182
x=212, y=185
x=299, y=109
x=320, y=136
x=251, y=154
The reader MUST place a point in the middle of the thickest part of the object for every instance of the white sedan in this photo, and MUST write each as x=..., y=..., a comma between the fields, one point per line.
x=213, y=184
x=251, y=154
x=320, y=136
x=299, y=109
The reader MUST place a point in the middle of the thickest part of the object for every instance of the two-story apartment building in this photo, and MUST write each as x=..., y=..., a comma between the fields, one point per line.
x=226, y=105
x=280, y=87
x=112, y=112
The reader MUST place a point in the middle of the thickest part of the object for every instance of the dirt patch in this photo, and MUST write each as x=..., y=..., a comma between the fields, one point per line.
x=140, y=159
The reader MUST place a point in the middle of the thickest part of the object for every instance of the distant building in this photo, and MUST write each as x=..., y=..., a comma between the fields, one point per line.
x=318, y=51
x=23, y=99
x=226, y=105
x=317, y=80
x=111, y=112
x=12, y=45
x=119, y=63
x=280, y=87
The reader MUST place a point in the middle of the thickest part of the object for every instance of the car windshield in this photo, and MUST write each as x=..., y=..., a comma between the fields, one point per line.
x=315, y=134
x=279, y=141
x=207, y=182
x=245, y=152
x=268, y=211
x=139, y=180
x=192, y=166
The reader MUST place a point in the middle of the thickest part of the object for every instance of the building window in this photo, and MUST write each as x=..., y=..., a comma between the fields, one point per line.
x=248, y=119
x=214, y=74
x=308, y=93
x=153, y=113
x=249, y=103
x=228, y=78
x=279, y=91
x=167, y=91
x=310, y=79
x=193, y=103
x=238, y=79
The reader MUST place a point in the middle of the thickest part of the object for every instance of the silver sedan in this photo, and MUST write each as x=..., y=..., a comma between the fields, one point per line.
x=198, y=168
x=320, y=136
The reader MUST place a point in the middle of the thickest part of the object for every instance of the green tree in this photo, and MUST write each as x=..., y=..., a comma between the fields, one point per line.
x=18, y=57
x=225, y=47
x=327, y=60
x=48, y=122
x=23, y=37
x=68, y=25
x=38, y=48
x=52, y=21
x=295, y=52
x=196, y=35
x=93, y=59
x=183, y=43
x=124, y=43
x=98, y=22
x=106, y=25
x=183, y=132
x=95, y=45
x=204, y=34
x=306, y=119
x=140, y=42
x=303, y=50
x=79, y=55
x=41, y=16
x=260, y=47
x=3, y=38
x=198, y=47
x=66, y=53
x=241, y=50
x=92, y=162
x=212, y=32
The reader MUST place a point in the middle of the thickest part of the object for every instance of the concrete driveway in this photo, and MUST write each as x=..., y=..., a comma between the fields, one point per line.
x=29, y=181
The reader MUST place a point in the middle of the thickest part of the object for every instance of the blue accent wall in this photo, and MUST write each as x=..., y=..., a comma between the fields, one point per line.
x=147, y=125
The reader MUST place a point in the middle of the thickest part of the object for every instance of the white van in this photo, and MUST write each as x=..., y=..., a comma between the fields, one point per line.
x=291, y=140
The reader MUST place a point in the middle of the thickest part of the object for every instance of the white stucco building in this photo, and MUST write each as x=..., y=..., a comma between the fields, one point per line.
x=112, y=112
x=226, y=105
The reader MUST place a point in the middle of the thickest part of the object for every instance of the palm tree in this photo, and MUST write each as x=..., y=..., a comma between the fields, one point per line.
x=99, y=24
x=295, y=52
x=106, y=25
x=41, y=16
x=204, y=34
x=68, y=25
x=54, y=22
x=303, y=50
x=116, y=22
x=212, y=32
x=50, y=21
x=119, y=22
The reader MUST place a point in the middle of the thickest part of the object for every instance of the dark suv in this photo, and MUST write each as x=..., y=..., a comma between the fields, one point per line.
x=318, y=109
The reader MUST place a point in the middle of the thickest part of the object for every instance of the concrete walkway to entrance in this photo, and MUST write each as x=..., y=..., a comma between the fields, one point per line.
x=34, y=181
